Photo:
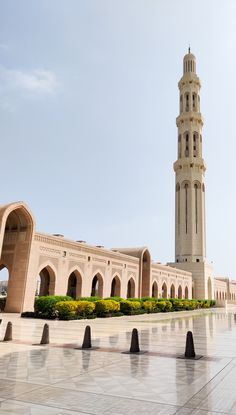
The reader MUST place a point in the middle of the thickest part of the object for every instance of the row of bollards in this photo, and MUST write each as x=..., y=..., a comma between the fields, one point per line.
x=134, y=345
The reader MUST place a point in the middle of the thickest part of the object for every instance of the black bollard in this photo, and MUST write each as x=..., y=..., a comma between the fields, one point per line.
x=189, y=348
x=45, y=335
x=8, y=332
x=87, y=344
x=134, y=346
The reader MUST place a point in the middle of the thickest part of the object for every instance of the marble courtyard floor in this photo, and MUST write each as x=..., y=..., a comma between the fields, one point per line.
x=60, y=380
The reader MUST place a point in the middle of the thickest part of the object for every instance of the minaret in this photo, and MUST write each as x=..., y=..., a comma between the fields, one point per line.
x=190, y=245
x=190, y=228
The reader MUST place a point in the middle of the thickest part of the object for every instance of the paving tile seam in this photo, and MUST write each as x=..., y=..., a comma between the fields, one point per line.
x=107, y=395
x=213, y=387
x=49, y=406
x=93, y=413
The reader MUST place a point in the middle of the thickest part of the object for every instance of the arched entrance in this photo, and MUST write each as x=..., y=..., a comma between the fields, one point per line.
x=115, y=287
x=180, y=292
x=4, y=278
x=130, y=288
x=74, y=286
x=146, y=271
x=209, y=287
x=155, y=290
x=16, y=233
x=186, y=292
x=46, y=282
x=164, y=290
x=97, y=286
x=172, y=291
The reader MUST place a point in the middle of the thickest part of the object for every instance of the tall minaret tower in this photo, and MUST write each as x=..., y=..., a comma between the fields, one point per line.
x=190, y=245
x=190, y=228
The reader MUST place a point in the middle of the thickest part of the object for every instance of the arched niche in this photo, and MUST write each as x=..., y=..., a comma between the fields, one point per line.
x=115, y=287
x=74, y=286
x=97, y=286
x=131, y=288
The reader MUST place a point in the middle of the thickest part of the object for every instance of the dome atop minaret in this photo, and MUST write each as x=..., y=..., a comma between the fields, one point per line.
x=189, y=62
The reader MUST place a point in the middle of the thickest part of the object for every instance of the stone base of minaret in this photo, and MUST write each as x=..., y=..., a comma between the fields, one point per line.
x=202, y=274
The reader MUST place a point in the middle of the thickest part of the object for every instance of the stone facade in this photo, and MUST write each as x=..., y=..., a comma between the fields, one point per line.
x=45, y=264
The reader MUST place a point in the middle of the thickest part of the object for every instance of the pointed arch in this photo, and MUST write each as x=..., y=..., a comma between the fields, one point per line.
x=74, y=286
x=172, y=291
x=155, y=289
x=164, y=290
x=180, y=292
x=97, y=285
x=131, y=288
x=17, y=227
x=186, y=292
x=115, y=286
x=46, y=281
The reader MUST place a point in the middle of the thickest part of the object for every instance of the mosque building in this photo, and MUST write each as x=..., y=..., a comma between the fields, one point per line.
x=43, y=264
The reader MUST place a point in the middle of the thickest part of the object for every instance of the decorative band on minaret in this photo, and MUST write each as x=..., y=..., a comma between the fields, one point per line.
x=190, y=245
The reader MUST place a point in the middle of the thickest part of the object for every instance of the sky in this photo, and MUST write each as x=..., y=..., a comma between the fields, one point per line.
x=88, y=101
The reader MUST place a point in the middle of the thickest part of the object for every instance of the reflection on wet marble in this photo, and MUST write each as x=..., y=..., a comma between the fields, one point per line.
x=57, y=379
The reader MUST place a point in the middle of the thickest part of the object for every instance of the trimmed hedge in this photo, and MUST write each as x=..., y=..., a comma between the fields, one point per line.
x=65, y=308
x=45, y=306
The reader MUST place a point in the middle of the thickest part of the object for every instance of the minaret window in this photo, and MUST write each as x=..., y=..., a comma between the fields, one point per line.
x=181, y=103
x=179, y=146
x=195, y=144
x=196, y=207
x=186, y=207
x=186, y=145
x=178, y=205
x=186, y=102
x=194, y=98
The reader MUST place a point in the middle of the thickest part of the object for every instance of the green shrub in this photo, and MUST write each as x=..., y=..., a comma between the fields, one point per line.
x=91, y=299
x=164, y=305
x=45, y=306
x=114, y=298
x=104, y=307
x=149, y=299
x=85, y=308
x=178, y=305
x=128, y=307
x=135, y=299
x=66, y=309
x=150, y=306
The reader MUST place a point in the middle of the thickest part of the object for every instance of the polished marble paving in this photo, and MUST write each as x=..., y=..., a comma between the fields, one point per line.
x=59, y=379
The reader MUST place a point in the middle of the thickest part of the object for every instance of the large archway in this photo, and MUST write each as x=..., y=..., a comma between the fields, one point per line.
x=155, y=290
x=97, y=286
x=164, y=290
x=16, y=233
x=115, y=287
x=46, y=282
x=146, y=271
x=74, y=286
x=172, y=291
x=131, y=288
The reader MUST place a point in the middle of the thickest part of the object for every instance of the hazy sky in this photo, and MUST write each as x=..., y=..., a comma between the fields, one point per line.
x=88, y=101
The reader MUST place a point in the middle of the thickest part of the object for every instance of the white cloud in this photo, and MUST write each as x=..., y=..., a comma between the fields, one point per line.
x=36, y=82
